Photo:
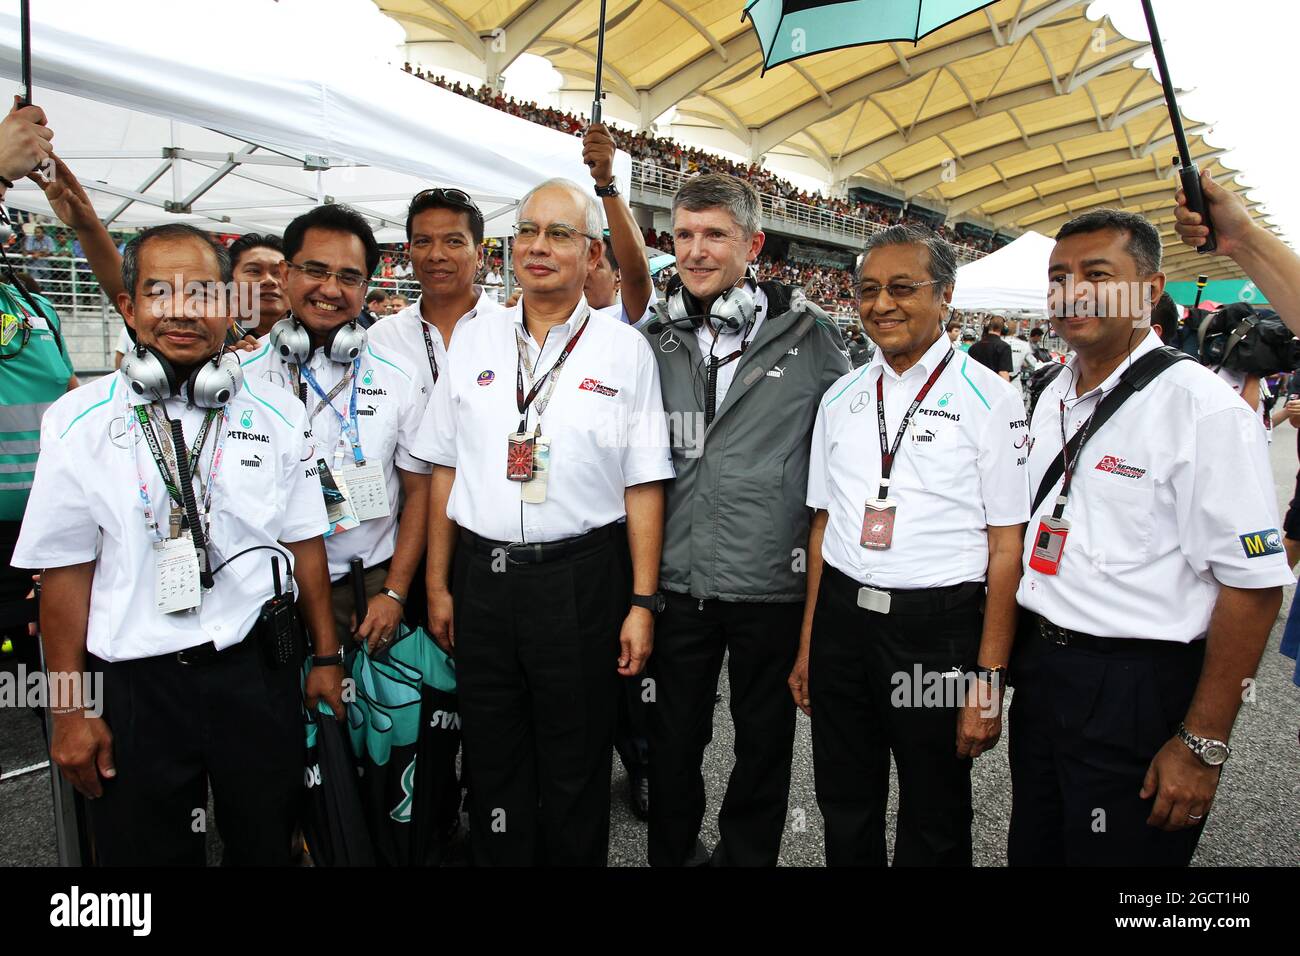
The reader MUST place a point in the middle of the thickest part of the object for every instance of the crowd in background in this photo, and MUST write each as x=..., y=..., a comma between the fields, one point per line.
x=688, y=160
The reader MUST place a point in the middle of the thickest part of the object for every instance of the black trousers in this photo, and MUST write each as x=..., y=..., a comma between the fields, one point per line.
x=233, y=721
x=537, y=649
x=691, y=637
x=861, y=672
x=1084, y=727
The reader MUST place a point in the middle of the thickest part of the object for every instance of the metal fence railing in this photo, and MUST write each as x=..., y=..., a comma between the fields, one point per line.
x=853, y=230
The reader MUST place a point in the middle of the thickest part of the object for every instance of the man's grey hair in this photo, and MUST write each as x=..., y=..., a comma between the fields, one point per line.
x=592, y=223
x=171, y=230
x=943, y=259
x=1143, y=238
x=714, y=190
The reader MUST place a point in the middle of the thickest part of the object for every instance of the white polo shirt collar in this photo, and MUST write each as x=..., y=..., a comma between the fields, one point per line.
x=926, y=364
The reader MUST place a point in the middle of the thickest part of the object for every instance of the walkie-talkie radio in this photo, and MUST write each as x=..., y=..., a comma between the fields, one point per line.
x=277, y=625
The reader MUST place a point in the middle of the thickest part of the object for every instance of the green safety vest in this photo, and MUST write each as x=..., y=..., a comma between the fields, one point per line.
x=29, y=384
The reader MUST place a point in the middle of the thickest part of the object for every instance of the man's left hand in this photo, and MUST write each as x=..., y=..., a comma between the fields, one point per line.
x=1183, y=786
x=383, y=615
x=598, y=153
x=979, y=722
x=637, y=640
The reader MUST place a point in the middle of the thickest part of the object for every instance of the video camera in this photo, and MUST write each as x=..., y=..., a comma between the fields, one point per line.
x=1242, y=339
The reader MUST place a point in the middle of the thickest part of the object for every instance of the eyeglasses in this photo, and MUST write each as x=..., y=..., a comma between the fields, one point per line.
x=349, y=280
x=560, y=233
x=897, y=290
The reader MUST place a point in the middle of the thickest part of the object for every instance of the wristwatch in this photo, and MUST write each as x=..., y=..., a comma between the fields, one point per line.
x=1212, y=753
x=389, y=592
x=992, y=675
x=654, y=603
x=610, y=190
x=327, y=660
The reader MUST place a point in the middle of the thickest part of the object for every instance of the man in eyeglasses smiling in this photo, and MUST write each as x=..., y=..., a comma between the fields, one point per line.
x=364, y=404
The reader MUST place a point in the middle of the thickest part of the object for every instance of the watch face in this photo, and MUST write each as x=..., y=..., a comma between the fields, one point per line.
x=1215, y=754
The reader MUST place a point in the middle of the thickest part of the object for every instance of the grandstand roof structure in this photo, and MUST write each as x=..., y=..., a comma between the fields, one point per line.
x=1020, y=115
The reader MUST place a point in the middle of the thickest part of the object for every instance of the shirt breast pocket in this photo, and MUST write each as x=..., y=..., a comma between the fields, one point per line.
x=1120, y=520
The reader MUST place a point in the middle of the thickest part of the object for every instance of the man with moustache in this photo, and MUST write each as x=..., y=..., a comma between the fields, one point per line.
x=743, y=365
x=549, y=452
x=1153, y=572
x=163, y=495
x=364, y=403
x=918, y=481
x=255, y=261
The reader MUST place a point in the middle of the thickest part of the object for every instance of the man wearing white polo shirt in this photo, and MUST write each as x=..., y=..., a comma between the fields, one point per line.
x=444, y=232
x=163, y=495
x=364, y=404
x=918, y=480
x=1153, y=572
x=548, y=434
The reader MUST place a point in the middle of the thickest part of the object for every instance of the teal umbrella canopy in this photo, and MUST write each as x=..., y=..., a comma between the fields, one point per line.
x=790, y=29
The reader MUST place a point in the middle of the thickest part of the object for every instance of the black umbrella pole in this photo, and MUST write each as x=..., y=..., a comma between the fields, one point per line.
x=25, y=46
x=1188, y=171
x=600, y=64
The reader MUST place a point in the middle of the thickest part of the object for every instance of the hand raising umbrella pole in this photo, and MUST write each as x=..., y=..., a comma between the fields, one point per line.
x=600, y=64
x=1188, y=171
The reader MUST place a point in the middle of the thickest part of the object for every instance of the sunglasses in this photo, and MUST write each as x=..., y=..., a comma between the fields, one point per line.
x=454, y=197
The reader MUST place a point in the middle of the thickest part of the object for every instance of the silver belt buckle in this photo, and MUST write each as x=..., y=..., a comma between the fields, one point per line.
x=873, y=600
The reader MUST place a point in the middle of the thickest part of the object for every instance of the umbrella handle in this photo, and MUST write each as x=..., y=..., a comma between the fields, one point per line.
x=1191, y=181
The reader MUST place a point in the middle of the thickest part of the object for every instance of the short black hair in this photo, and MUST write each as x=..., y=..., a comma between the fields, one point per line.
x=1143, y=238
x=170, y=230
x=609, y=252
x=253, y=240
x=335, y=217
x=438, y=199
x=376, y=295
x=1035, y=331
x=1165, y=313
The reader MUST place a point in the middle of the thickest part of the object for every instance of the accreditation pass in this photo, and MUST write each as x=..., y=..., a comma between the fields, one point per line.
x=176, y=575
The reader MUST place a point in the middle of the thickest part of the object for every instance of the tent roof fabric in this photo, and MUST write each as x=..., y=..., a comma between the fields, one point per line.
x=252, y=138
x=1023, y=113
x=1013, y=278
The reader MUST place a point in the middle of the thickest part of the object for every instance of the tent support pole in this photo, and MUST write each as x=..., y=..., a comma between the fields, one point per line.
x=508, y=277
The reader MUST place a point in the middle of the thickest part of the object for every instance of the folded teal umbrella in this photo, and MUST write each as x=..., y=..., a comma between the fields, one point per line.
x=789, y=29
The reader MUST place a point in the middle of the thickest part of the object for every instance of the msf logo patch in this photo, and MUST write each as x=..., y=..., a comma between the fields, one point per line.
x=1257, y=544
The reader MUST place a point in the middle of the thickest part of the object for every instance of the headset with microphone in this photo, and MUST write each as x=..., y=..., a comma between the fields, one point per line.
x=343, y=344
x=212, y=383
x=731, y=311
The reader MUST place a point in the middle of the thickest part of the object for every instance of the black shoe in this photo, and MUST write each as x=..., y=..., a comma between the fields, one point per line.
x=638, y=796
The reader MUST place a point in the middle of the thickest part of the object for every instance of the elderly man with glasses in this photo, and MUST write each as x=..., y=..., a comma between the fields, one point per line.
x=549, y=448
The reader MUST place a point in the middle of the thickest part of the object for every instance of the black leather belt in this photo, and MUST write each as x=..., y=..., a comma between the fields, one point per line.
x=207, y=653
x=1064, y=637
x=909, y=600
x=517, y=552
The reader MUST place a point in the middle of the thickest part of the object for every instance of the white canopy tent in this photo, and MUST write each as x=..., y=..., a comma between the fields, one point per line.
x=239, y=116
x=1012, y=279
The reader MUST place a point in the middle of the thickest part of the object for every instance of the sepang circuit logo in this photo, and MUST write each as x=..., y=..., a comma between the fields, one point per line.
x=1114, y=465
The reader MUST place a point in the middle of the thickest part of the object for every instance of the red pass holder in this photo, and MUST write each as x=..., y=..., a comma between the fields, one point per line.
x=1049, y=542
x=520, y=461
x=878, y=524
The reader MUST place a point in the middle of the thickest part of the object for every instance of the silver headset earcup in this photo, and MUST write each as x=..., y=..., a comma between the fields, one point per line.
x=149, y=374
x=291, y=341
x=732, y=311
x=346, y=343
x=214, y=383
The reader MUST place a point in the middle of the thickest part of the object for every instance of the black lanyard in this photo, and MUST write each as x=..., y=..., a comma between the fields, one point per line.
x=182, y=492
x=523, y=402
x=887, y=452
x=428, y=348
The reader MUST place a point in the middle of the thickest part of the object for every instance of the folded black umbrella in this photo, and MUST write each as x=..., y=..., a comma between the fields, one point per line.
x=334, y=819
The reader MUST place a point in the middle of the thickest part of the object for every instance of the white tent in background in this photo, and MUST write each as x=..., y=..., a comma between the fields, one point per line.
x=1013, y=278
x=241, y=115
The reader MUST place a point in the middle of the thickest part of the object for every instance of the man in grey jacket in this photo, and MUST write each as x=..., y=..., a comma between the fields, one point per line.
x=742, y=366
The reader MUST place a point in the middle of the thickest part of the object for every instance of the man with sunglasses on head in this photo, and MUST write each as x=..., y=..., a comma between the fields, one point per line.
x=444, y=232
x=743, y=364
x=549, y=447
x=364, y=404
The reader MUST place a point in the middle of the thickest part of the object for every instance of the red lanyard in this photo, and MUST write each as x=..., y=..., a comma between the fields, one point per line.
x=523, y=402
x=888, y=453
